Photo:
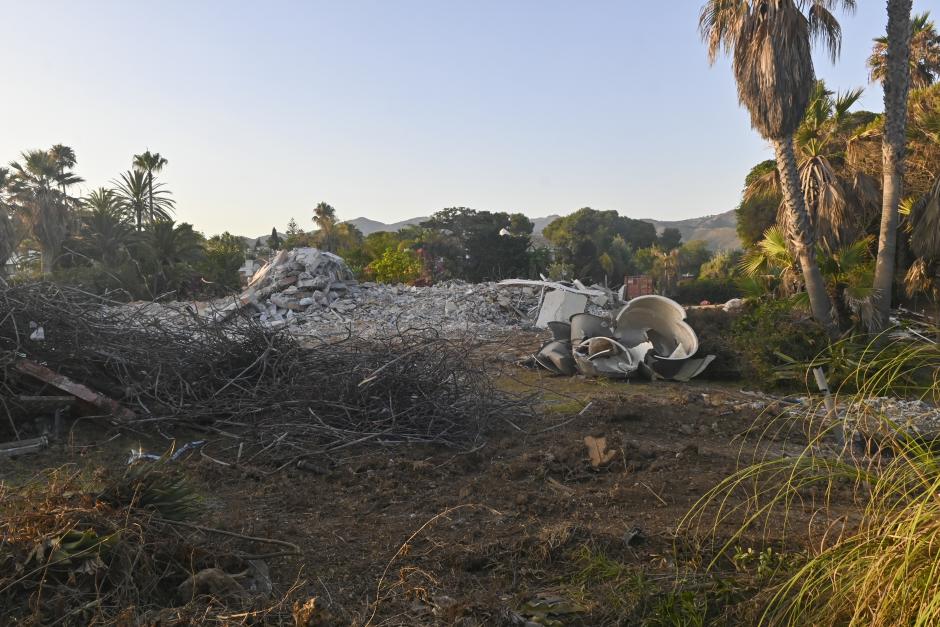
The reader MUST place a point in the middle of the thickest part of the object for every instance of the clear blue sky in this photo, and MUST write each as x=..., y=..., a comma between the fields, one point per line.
x=392, y=109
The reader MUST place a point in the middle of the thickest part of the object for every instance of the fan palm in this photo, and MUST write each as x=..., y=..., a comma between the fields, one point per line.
x=170, y=245
x=839, y=201
x=846, y=270
x=324, y=216
x=897, y=80
x=8, y=230
x=770, y=45
x=924, y=58
x=106, y=233
x=34, y=190
x=136, y=192
x=150, y=163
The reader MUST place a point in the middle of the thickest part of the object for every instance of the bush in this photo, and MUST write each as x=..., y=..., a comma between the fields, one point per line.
x=397, y=266
x=772, y=334
x=715, y=330
x=713, y=290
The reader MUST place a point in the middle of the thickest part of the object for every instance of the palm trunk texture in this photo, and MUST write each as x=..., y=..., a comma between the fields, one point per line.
x=800, y=233
x=896, y=87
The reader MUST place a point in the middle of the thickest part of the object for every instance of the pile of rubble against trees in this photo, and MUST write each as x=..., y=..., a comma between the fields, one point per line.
x=314, y=293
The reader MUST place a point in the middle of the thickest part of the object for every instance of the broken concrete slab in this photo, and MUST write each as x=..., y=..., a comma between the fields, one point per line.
x=559, y=306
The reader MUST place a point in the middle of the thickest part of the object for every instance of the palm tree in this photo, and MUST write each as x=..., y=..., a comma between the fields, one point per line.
x=924, y=57
x=897, y=79
x=769, y=41
x=149, y=163
x=840, y=200
x=8, y=230
x=34, y=189
x=847, y=271
x=325, y=218
x=107, y=232
x=169, y=246
x=134, y=189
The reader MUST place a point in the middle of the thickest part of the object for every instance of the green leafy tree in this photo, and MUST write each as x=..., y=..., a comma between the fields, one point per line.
x=150, y=163
x=480, y=250
x=722, y=266
x=692, y=255
x=8, y=225
x=583, y=238
x=670, y=238
x=224, y=255
x=397, y=266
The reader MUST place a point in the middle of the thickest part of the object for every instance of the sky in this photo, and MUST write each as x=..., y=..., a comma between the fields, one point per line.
x=392, y=110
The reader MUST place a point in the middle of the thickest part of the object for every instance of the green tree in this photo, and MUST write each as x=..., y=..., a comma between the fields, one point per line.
x=769, y=41
x=141, y=198
x=293, y=228
x=224, y=255
x=583, y=237
x=275, y=241
x=692, y=255
x=150, y=163
x=8, y=226
x=36, y=191
x=758, y=209
x=170, y=251
x=472, y=243
x=396, y=266
x=106, y=233
x=841, y=200
x=324, y=216
x=670, y=238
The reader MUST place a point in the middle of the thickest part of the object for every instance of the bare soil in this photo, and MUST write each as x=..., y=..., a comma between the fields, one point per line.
x=421, y=535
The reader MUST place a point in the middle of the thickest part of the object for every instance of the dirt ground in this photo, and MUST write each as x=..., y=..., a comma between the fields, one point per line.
x=523, y=530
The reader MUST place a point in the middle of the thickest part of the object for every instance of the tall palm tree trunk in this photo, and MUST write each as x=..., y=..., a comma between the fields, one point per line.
x=150, y=191
x=801, y=236
x=896, y=87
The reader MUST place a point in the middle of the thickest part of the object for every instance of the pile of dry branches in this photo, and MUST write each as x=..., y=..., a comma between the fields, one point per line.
x=167, y=363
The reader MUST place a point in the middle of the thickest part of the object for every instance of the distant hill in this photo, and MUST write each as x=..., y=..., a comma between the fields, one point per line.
x=368, y=226
x=719, y=230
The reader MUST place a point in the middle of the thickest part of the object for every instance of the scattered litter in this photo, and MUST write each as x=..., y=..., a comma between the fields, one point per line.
x=139, y=455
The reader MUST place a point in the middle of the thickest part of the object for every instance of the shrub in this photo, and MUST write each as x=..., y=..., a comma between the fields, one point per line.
x=397, y=266
x=713, y=290
x=772, y=334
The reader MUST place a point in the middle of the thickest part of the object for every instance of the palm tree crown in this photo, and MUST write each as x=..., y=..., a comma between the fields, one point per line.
x=925, y=53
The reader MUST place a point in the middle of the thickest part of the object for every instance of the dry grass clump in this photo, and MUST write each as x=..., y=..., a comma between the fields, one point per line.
x=78, y=549
x=872, y=517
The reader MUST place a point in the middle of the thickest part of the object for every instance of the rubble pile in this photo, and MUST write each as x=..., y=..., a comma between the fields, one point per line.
x=314, y=293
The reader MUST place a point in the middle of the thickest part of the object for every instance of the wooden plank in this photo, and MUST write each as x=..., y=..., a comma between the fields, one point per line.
x=82, y=392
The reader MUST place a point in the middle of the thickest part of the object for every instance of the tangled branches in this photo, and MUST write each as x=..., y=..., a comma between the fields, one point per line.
x=169, y=363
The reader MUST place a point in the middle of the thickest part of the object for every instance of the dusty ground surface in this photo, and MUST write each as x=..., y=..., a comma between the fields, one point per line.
x=526, y=528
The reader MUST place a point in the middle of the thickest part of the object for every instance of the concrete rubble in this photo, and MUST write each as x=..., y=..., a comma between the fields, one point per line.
x=314, y=293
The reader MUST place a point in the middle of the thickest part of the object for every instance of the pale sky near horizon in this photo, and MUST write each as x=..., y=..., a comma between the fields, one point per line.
x=392, y=110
